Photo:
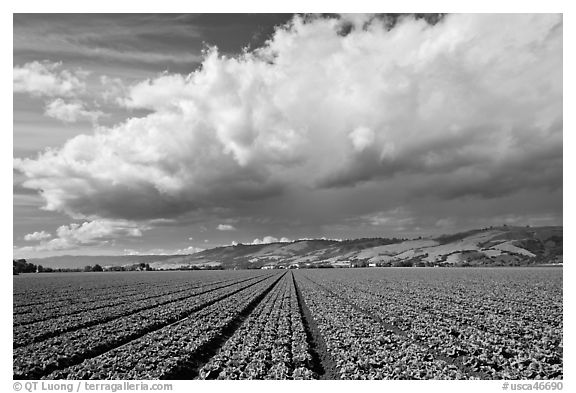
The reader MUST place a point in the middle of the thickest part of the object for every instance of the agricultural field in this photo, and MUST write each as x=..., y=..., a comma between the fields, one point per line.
x=388, y=323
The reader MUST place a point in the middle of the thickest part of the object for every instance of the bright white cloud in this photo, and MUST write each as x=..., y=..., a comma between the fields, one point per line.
x=162, y=251
x=37, y=236
x=47, y=79
x=271, y=239
x=166, y=91
x=322, y=238
x=188, y=250
x=88, y=233
x=99, y=230
x=362, y=138
x=226, y=227
x=70, y=112
x=469, y=106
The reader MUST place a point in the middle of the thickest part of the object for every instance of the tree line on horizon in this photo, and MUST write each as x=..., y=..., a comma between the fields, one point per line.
x=22, y=266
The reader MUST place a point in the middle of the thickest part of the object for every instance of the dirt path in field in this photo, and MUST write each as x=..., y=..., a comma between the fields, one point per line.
x=322, y=362
x=211, y=348
x=457, y=361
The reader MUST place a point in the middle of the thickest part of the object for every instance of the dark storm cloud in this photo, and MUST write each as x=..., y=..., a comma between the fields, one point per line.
x=152, y=42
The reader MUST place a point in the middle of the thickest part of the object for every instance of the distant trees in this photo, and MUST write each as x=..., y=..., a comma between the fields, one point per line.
x=144, y=267
x=206, y=267
x=42, y=269
x=128, y=268
x=95, y=268
x=403, y=263
x=115, y=268
x=21, y=266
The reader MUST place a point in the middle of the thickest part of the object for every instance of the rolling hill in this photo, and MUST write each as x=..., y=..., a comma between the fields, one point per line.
x=495, y=246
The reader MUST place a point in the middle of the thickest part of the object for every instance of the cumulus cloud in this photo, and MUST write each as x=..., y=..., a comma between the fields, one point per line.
x=37, y=236
x=271, y=239
x=469, y=106
x=362, y=138
x=321, y=238
x=47, y=79
x=162, y=251
x=188, y=250
x=165, y=91
x=226, y=227
x=99, y=230
x=114, y=90
x=89, y=233
x=70, y=112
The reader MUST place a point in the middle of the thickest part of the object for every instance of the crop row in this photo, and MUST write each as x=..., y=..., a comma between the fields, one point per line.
x=60, y=309
x=323, y=323
x=172, y=351
x=43, y=293
x=79, y=296
x=77, y=316
x=270, y=344
x=372, y=308
x=39, y=331
x=362, y=349
x=84, y=300
x=459, y=326
x=41, y=358
x=496, y=343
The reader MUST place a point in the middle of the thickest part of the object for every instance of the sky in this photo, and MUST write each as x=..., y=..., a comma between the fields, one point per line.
x=169, y=134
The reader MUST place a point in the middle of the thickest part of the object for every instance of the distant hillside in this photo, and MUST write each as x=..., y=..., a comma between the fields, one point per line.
x=490, y=246
x=495, y=246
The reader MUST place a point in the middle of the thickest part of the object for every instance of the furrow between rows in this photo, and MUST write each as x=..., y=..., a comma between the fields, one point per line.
x=174, y=350
x=38, y=332
x=39, y=359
